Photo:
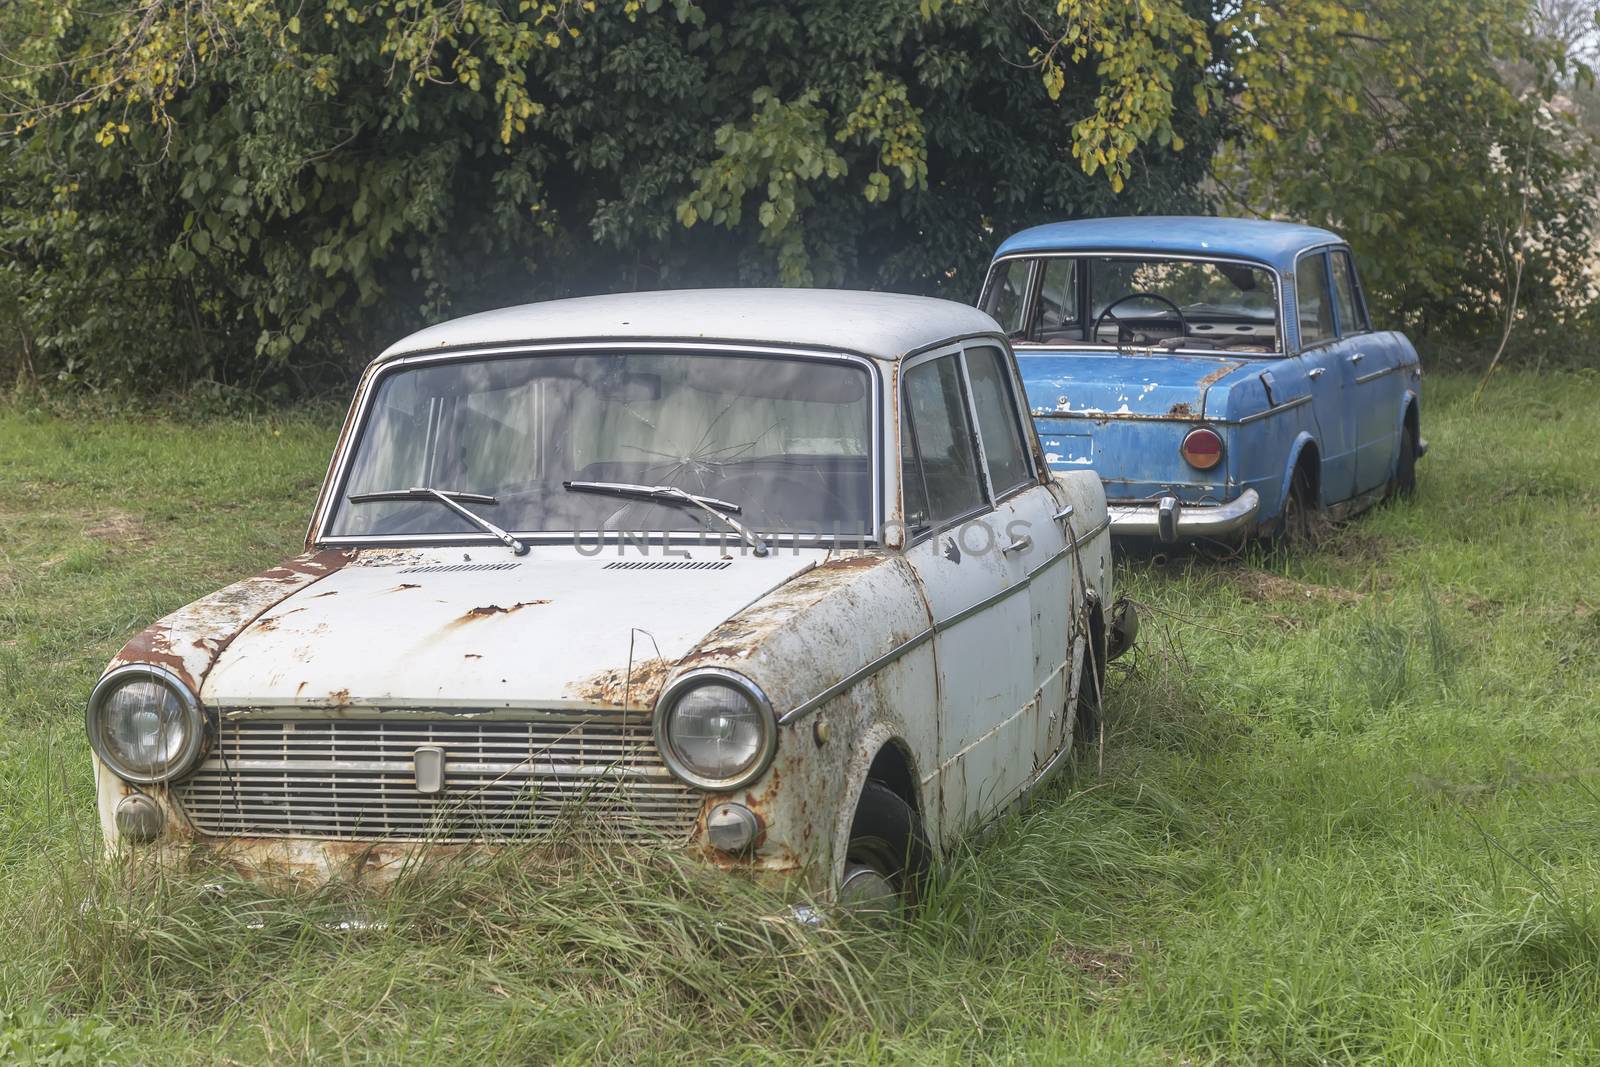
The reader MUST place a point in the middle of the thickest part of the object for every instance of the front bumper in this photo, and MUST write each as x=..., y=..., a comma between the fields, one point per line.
x=1169, y=519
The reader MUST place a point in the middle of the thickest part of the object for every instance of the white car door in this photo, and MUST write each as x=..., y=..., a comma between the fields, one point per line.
x=983, y=645
x=1033, y=547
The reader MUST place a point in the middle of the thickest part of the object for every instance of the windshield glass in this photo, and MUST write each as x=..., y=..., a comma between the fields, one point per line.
x=1176, y=304
x=784, y=439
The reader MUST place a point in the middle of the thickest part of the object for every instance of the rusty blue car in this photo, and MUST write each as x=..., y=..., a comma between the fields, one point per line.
x=1222, y=376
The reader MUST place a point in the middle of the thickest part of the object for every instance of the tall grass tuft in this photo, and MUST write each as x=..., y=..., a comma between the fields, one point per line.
x=1384, y=658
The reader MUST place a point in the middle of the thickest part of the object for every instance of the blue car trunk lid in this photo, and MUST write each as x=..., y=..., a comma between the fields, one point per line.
x=1125, y=417
x=1106, y=384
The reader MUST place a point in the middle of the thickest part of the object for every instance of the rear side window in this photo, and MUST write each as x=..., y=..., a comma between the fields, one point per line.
x=998, y=424
x=1352, y=317
x=1311, y=294
x=943, y=457
x=1008, y=295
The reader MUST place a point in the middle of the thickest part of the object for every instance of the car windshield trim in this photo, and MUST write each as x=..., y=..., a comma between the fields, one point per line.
x=337, y=486
x=1280, y=344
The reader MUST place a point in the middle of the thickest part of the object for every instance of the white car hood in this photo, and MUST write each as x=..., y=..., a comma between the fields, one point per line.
x=481, y=628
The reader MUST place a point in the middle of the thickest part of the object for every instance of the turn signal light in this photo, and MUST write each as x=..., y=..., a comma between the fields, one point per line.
x=1202, y=449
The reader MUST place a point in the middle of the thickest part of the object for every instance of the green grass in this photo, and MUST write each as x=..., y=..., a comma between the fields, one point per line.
x=1350, y=811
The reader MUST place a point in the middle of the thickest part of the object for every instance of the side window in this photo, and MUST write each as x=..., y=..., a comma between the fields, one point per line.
x=941, y=438
x=1352, y=316
x=998, y=421
x=1008, y=294
x=1058, y=301
x=913, y=488
x=1311, y=294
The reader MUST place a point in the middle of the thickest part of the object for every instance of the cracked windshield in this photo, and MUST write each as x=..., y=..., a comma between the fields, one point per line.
x=785, y=441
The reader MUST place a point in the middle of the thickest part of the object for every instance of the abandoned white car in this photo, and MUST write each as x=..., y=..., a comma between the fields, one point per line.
x=781, y=576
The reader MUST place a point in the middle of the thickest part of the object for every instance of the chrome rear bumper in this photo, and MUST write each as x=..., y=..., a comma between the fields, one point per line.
x=1171, y=520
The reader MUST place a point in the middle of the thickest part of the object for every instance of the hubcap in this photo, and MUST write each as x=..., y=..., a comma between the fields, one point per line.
x=866, y=889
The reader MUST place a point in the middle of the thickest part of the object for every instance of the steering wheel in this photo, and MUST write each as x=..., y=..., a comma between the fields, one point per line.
x=1183, y=324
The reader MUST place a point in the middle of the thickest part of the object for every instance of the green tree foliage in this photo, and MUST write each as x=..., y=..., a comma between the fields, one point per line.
x=265, y=193
x=1438, y=137
x=1441, y=138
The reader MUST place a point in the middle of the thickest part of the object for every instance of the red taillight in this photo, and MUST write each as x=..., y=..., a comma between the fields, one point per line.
x=1202, y=449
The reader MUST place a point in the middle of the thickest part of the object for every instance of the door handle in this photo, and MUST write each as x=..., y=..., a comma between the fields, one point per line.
x=1316, y=372
x=1357, y=357
x=1021, y=544
x=1064, y=514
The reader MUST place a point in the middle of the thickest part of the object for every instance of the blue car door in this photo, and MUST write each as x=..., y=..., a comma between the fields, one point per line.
x=1373, y=359
x=1331, y=374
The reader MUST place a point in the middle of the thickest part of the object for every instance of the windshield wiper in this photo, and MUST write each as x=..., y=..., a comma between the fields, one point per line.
x=450, y=499
x=671, y=494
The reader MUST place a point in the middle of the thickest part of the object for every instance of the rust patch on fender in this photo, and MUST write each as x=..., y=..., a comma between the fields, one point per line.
x=741, y=635
x=209, y=625
x=154, y=645
x=616, y=687
x=851, y=563
x=1181, y=408
x=316, y=565
x=735, y=651
x=1219, y=374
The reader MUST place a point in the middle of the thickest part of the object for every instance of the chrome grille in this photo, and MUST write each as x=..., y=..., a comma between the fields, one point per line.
x=354, y=778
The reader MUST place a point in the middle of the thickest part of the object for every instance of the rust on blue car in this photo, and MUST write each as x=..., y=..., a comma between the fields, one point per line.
x=1132, y=333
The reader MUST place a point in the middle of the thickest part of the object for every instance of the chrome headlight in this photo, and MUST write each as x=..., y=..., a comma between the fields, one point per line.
x=715, y=729
x=145, y=724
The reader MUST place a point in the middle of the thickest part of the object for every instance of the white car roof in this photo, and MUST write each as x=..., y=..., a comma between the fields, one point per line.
x=882, y=325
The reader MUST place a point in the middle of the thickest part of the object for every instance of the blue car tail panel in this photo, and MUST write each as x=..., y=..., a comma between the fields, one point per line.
x=1137, y=459
x=1067, y=443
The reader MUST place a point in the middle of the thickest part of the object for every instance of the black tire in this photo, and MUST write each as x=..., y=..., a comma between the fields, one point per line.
x=1086, y=716
x=887, y=836
x=1405, y=469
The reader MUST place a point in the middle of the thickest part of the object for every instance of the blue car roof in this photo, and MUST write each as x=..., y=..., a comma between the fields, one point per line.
x=1274, y=243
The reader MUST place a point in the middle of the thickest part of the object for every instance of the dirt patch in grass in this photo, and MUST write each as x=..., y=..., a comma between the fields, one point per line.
x=1102, y=965
x=118, y=527
x=1260, y=587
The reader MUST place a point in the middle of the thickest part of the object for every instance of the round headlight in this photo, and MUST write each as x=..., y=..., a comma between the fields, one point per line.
x=144, y=724
x=715, y=729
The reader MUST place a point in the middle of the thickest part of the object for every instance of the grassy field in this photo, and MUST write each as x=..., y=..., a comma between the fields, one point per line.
x=1349, y=811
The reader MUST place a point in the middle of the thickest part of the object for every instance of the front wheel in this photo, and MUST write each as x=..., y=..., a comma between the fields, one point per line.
x=888, y=856
x=1405, y=468
x=1086, y=715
